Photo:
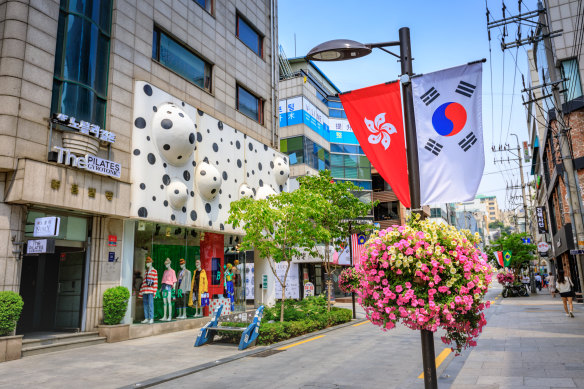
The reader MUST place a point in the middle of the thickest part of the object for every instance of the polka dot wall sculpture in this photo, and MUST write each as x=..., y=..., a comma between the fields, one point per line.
x=187, y=166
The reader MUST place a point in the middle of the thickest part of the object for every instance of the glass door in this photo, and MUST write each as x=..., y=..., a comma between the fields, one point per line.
x=69, y=290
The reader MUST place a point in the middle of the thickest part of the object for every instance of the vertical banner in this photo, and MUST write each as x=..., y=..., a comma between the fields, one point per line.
x=541, y=220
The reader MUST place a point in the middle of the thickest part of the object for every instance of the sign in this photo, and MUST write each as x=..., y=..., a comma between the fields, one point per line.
x=84, y=127
x=526, y=240
x=46, y=226
x=542, y=247
x=526, y=151
x=292, y=281
x=89, y=162
x=112, y=240
x=541, y=220
x=111, y=257
x=40, y=246
x=576, y=252
x=308, y=289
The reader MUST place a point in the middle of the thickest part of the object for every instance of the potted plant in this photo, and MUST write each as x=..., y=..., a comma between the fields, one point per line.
x=10, y=307
x=115, y=304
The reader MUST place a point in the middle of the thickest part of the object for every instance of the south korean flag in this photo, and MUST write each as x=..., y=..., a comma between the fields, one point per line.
x=448, y=111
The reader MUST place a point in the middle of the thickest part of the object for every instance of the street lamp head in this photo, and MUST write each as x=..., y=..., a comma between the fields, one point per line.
x=338, y=50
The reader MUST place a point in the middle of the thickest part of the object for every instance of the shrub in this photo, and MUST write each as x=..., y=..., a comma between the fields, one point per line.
x=115, y=304
x=10, y=307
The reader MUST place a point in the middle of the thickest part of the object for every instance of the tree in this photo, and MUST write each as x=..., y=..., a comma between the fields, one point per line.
x=500, y=226
x=280, y=228
x=341, y=207
x=521, y=253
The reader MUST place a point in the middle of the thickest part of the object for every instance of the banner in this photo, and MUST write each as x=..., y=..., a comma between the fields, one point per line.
x=541, y=220
x=499, y=256
x=375, y=115
x=448, y=113
x=507, y=258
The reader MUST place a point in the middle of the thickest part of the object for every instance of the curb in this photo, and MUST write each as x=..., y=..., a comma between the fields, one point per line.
x=256, y=350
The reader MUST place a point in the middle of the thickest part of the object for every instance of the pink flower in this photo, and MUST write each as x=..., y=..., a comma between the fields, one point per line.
x=399, y=288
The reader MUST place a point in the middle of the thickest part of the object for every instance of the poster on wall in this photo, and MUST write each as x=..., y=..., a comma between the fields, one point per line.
x=249, y=281
x=292, y=281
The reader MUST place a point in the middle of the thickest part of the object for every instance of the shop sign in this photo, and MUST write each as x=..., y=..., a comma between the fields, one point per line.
x=576, y=252
x=112, y=240
x=40, y=246
x=541, y=220
x=308, y=289
x=85, y=127
x=46, y=226
x=526, y=151
x=89, y=162
x=111, y=256
x=542, y=247
x=265, y=281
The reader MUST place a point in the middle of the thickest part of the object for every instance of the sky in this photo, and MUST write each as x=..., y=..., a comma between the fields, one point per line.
x=443, y=34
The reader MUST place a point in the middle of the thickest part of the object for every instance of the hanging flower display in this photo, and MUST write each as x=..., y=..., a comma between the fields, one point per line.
x=349, y=280
x=427, y=276
x=505, y=278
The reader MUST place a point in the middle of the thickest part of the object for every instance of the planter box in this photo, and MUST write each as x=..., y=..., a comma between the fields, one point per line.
x=10, y=348
x=116, y=333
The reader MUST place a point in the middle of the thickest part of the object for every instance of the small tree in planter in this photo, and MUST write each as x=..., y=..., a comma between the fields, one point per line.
x=115, y=304
x=10, y=308
x=427, y=276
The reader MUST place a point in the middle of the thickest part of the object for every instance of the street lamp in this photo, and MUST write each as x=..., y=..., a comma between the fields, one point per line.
x=344, y=49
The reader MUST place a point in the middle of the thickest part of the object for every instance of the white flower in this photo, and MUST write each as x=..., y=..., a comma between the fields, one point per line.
x=380, y=130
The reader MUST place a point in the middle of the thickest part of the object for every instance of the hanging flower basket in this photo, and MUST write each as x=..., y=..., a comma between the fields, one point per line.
x=505, y=278
x=426, y=276
x=350, y=279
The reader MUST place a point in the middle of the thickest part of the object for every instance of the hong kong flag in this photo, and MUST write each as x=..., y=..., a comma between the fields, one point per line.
x=375, y=115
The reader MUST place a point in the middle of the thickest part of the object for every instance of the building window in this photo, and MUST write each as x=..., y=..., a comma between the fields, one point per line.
x=573, y=86
x=346, y=149
x=249, y=36
x=303, y=150
x=207, y=5
x=82, y=60
x=350, y=166
x=294, y=148
x=250, y=105
x=387, y=211
x=337, y=113
x=181, y=60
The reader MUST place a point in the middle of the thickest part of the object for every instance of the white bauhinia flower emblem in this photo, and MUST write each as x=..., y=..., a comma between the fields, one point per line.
x=380, y=130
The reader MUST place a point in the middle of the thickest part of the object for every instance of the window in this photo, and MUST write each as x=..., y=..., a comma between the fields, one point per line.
x=436, y=212
x=181, y=60
x=350, y=167
x=249, y=36
x=337, y=113
x=250, y=105
x=82, y=60
x=379, y=184
x=347, y=149
x=387, y=211
x=573, y=86
x=294, y=147
x=303, y=150
x=207, y=5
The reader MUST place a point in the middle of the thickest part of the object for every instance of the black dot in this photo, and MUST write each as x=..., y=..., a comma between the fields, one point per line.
x=242, y=192
x=192, y=194
x=203, y=172
x=237, y=144
x=142, y=212
x=221, y=139
x=215, y=147
x=261, y=183
x=224, y=175
x=239, y=163
x=244, y=136
x=166, y=124
x=248, y=175
x=201, y=113
x=153, y=198
x=183, y=103
x=151, y=159
x=186, y=175
x=165, y=203
x=142, y=186
x=194, y=163
x=199, y=137
x=221, y=227
x=148, y=138
x=193, y=215
x=136, y=152
x=184, y=209
x=250, y=146
x=172, y=217
x=228, y=160
x=214, y=178
x=285, y=159
x=161, y=186
x=166, y=179
x=154, y=108
x=271, y=164
x=235, y=180
x=210, y=223
x=260, y=166
x=208, y=208
x=169, y=112
x=281, y=188
x=216, y=162
x=148, y=90
x=176, y=191
x=281, y=172
x=181, y=115
x=166, y=147
x=140, y=123
x=191, y=138
x=220, y=191
x=220, y=125
x=266, y=147
x=229, y=196
x=220, y=206
x=213, y=191
x=164, y=164
x=208, y=131
x=206, y=160
x=231, y=143
x=253, y=190
x=179, y=157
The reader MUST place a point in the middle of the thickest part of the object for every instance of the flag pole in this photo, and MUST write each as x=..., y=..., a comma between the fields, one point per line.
x=351, y=257
x=405, y=52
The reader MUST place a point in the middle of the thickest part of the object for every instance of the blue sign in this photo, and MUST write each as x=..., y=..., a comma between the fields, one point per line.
x=526, y=240
x=111, y=256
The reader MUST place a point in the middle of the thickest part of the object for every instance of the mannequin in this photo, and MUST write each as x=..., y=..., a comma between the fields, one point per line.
x=237, y=281
x=184, y=284
x=228, y=284
x=148, y=290
x=199, y=286
x=168, y=285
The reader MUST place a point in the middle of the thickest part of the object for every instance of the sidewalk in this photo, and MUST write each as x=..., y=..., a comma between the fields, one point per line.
x=528, y=343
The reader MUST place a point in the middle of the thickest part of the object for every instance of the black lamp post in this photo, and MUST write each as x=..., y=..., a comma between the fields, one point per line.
x=343, y=49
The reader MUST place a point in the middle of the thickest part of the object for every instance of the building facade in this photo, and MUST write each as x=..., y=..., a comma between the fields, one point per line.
x=127, y=128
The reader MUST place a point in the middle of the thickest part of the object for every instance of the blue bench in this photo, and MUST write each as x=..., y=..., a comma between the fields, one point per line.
x=249, y=334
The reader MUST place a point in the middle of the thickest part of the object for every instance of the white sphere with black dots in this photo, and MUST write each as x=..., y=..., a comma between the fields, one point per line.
x=177, y=193
x=264, y=192
x=245, y=191
x=281, y=170
x=174, y=134
x=208, y=180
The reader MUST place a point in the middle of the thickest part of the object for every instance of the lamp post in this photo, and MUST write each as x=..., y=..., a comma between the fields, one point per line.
x=343, y=49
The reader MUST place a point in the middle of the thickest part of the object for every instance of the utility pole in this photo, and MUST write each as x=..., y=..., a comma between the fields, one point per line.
x=570, y=179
